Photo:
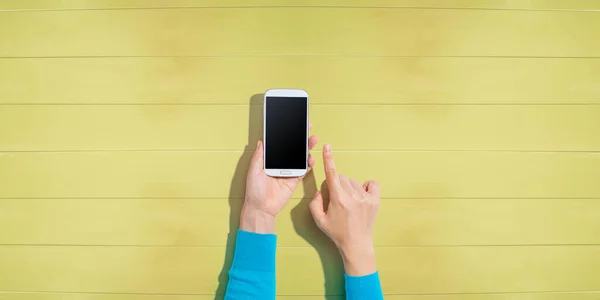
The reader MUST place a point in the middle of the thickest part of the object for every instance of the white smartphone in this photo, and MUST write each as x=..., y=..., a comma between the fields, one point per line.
x=285, y=132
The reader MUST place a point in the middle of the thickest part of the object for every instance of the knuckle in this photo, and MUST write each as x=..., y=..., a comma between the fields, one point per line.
x=331, y=170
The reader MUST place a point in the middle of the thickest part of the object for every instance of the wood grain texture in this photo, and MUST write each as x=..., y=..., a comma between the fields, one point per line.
x=484, y=4
x=329, y=80
x=121, y=176
x=192, y=270
x=207, y=127
x=373, y=31
x=180, y=174
x=207, y=222
x=515, y=296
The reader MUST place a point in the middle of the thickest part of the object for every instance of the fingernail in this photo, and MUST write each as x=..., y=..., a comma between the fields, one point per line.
x=258, y=145
x=327, y=147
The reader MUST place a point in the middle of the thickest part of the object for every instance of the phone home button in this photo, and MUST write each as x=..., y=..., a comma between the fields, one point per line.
x=285, y=172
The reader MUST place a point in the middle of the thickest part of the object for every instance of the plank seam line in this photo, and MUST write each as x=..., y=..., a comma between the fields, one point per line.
x=237, y=55
x=297, y=247
x=303, y=295
x=589, y=152
x=312, y=105
x=302, y=6
x=297, y=198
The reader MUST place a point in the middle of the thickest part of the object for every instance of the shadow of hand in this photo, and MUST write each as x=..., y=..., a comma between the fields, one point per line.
x=305, y=226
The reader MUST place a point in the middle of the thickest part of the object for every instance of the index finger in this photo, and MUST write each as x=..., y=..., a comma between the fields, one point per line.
x=331, y=175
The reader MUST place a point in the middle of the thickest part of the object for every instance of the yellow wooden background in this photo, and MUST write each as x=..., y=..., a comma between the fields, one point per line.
x=126, y=129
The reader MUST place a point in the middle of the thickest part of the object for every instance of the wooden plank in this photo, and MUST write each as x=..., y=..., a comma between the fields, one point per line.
x=193, y=270
x=323, y=31
x=208, y=127
x=207, y=222
x=334, y=80
x=483, y=4
x=206, y=174
x=84, y=296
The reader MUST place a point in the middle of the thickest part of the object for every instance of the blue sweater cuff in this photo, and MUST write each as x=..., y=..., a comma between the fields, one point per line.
x=255, y=251
x=363, y=287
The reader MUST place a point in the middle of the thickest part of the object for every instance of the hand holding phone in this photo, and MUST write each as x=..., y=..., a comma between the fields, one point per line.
x=267, y=195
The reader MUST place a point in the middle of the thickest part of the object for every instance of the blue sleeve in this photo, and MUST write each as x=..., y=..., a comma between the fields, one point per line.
x=365, y=287
x=252, y=274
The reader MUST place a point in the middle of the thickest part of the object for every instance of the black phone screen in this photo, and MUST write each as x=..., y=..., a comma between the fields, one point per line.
x=285, y=132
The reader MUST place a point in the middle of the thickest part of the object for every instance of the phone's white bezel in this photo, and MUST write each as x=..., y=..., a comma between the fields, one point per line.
x=284, y=93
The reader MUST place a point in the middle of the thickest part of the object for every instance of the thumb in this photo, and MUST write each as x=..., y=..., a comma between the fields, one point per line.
x=256, y=164
x=317, y=210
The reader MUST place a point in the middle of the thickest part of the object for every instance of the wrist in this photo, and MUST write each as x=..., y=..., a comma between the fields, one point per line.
x=255, y=220
x=359, y=260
